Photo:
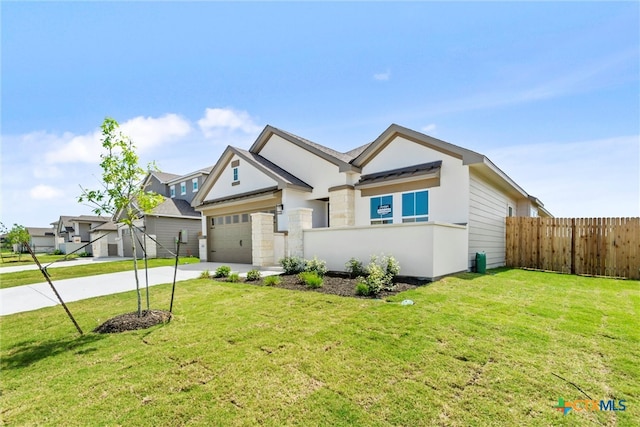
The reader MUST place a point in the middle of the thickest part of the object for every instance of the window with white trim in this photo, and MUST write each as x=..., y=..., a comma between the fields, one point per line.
x=183, y=188
x=172, y=191
x=235, y=175
x=194, y=184
x=415, y=206
x=381, y=210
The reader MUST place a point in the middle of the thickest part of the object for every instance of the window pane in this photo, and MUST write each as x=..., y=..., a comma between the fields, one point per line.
x=236, y=219
x=422, y=203
x=422, y=219
x=407, y=204
x=245, y=217
x=227, y=219
x=373, y=204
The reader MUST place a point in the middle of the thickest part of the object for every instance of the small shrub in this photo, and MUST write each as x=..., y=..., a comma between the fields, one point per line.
x=293, y=265
x=355, y=268
x=205, y=274
x=253, y=275
x=311, y=279
x=84, y=254
x=362, y=289
x=316, y=266
x=57, y=252
x=272, y=280
x=222, y=271
x=233, y=278
x=380, y=275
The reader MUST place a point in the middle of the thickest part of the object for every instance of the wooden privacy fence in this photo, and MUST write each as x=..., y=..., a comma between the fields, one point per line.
x=590, y=246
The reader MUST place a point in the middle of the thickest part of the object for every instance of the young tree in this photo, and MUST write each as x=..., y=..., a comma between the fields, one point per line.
x=17, y=236
x=123, y=196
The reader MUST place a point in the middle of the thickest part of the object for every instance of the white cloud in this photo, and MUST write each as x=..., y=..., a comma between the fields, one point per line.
x=219, y=121
x=149, y=132
x=75, y=148
x=44, y=192
x=382, y=76
x=145, y=132
x=429, y=128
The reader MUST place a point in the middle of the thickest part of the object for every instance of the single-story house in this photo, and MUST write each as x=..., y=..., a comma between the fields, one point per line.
x=430, y=204
x=42, y=239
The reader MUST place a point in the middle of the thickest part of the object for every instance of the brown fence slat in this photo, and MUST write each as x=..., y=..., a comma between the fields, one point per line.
x=592, y=246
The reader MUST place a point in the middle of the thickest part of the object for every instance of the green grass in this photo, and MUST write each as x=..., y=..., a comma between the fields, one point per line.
x=473, y=351
x=12, y=260
x=19, y=278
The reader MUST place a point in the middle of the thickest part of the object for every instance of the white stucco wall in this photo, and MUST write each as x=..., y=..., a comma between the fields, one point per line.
x=447, y=203
x=422, y=249
x=251, y=179
x=312, y=169
x=293, y=199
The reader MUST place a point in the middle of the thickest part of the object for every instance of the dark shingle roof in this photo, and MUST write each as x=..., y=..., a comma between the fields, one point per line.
x=165, y=177
x=344, y=157
x=40, y=231
x=175, y=207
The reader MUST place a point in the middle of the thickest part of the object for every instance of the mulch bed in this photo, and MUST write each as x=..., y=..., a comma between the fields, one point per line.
x=333, y=283
x=343, y=285
x=131, y=321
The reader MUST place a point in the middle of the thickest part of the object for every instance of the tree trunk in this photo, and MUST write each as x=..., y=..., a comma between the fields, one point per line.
x=135, y=269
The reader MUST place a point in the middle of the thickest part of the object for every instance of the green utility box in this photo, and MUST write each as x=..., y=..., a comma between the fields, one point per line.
x=481, y=262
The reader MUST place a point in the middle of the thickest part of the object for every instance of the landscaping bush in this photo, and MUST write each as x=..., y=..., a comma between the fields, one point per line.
x=380, y=275
x=84, y=254
x=57, y=252
x=253, y=275
x=362, y=289
x=316, y=266
x=233, y=278
x=272, y=280
x=222, y=271
x=205, y=274
x=293, y=265
x=311, y=279
x=355, y=268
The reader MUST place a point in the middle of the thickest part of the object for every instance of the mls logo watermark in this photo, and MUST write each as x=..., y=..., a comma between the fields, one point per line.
x=581, y=405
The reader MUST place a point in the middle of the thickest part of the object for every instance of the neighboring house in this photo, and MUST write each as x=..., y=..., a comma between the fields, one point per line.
x=42, y=239
x=430, y=204
x=71, y=233
x=174, y=215
x=105, y=240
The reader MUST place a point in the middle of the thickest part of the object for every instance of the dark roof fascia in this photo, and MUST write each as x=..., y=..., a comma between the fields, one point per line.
x=407, y=171
x=247, y=195
x=467, y=156
x=312, y=147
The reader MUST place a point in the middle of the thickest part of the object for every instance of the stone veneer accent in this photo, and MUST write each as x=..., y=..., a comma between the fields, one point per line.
x=262, y=239
x=299, y=219
x=342, y=207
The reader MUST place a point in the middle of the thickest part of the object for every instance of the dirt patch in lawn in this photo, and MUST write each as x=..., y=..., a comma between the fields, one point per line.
x=131, y=321
x=342, y=285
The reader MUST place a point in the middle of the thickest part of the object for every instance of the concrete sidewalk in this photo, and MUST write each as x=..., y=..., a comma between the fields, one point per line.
x=32, y=297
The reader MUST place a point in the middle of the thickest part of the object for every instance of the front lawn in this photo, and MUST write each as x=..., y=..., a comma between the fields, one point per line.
x=9, y=259
x=472, y=350
x=19, y=278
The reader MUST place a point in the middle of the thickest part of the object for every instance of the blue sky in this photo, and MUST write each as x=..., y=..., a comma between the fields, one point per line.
x=549, y=91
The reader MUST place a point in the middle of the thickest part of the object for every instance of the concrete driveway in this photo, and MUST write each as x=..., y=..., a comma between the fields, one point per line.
x=32, y=297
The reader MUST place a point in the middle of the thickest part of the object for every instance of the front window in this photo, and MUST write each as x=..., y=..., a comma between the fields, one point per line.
x=194, y=182
x=183, y=188
x=172, y=190
x=235, y=174
x=381, y=210
x=415, y=206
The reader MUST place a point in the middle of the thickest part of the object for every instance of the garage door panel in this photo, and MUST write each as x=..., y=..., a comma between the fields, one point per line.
x=230, y=241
